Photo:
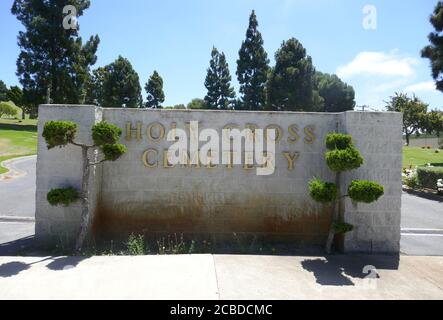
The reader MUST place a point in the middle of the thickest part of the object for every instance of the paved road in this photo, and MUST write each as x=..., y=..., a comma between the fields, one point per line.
x=17, y=195
x=422, y=219
x=422, y=226
x=17, y=209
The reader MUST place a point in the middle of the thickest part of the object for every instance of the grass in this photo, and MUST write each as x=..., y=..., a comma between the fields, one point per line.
x=17, y=139
x=416, y=156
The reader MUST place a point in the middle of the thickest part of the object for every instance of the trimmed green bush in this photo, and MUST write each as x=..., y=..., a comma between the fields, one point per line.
x=59, y=133
x=105, y=133
x=64, y=196
x=344, y=160
x=342, y=227
x=113, y=151
x=338, y=141
x=323, y=192
x=365, y=191
x=428, y=176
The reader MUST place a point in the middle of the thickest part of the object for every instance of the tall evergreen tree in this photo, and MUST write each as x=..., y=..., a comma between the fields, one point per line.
x=434, y=51
x=51, y=56
x=3, y=91
x=154, y=89
x=15, y=94
x=337, y=96
x=291, y=82
x=95, y=85
x=121, y=85
x=218, y=82
x=252, y=68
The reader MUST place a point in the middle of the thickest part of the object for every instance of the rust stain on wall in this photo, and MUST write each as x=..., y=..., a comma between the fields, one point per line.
x=268, y=219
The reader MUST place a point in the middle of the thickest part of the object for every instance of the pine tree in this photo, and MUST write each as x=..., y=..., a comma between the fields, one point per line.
x=434, y=51
x=3, y=91
x=218, y=83
x=154, y=89
x=252, y=68
x=51, y=56
x=291, y=81
x=337, y=96
x=121, y=85
x=94, y=86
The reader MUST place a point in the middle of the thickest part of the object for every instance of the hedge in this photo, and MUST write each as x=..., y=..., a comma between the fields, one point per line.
x=344, y=160
x=323, y=192
x=59, y=133
x=63, y=196
x=428, y=176
x=365, y=191
x=338, y=141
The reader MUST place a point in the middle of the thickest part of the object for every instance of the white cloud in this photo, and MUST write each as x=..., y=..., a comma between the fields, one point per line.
x=371, y=63
x=427, y=86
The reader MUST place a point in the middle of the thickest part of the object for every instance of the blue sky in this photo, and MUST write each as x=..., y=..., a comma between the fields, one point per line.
x=175, y=38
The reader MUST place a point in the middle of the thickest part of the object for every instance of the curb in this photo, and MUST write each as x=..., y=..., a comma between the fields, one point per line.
x=16, y=219
x=12, y=171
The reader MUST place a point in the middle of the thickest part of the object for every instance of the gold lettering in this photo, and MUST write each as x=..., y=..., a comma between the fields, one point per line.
x=249, y=160
x=174, y=130
x=230, y=156
x=278, y=132
x=166, y=163
x=309, y=134
x=161, y=132
x=252, y=127
x=291, y=159
x=195, y=160
x=130, y=130
x=293, y=132
x=145, y=158
x=210, y=165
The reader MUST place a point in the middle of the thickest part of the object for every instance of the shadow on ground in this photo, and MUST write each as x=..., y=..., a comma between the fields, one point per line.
x=338, y=270
x=428, y=195
x=13, y=268
x=17, y=247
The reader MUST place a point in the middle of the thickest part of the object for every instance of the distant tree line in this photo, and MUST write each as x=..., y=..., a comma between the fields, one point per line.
x=55, y=66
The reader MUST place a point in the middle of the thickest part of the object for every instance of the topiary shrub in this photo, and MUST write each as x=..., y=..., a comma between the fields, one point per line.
x=59, y=133
x=105, y=137
x=322, y=192
x=338, y=141
x=342, y=227
x=342, y=156
x=427, y=177
x=113, y=151
x=105, y=133
x=64, y=196
x=365, y=191
x=344, y=160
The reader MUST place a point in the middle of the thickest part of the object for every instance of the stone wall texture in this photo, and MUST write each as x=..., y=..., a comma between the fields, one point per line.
x=223, y=204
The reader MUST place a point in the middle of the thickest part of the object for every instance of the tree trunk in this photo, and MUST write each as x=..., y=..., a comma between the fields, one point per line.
x=86, y=217
x=336, y=215
x=407, y=139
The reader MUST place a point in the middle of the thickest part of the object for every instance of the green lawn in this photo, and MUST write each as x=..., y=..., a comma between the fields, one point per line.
x=17, y=139
x=416, y=156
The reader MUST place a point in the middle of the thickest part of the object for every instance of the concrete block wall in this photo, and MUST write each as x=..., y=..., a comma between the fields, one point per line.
x=62, y=167
x=218, y=203
x=378, y=136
